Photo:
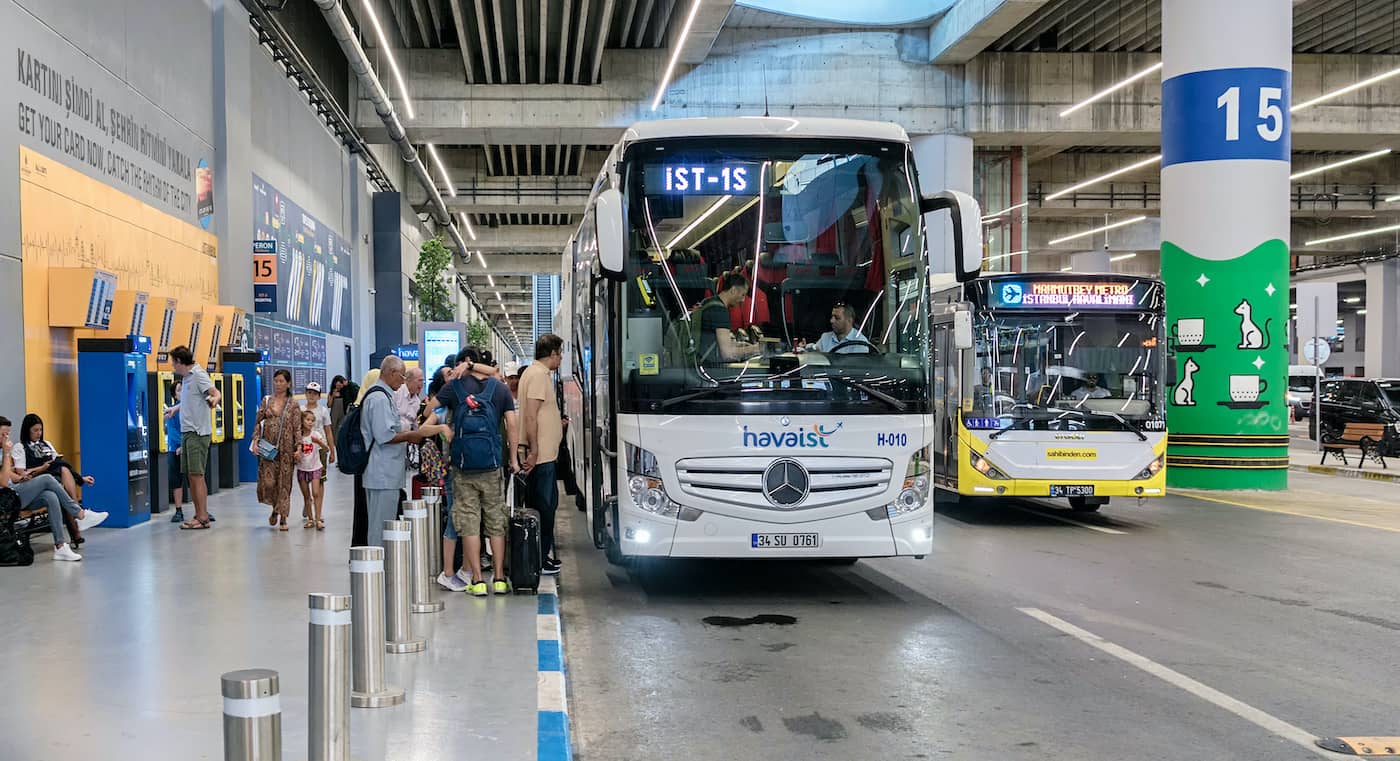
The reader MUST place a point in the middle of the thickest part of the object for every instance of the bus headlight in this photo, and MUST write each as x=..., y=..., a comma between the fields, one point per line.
x=914, y=494
x=644, y=483
x=1152, y=469
x=985, y=467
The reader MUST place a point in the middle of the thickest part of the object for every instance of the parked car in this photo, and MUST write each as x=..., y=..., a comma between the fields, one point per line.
x=1362, y=400
x=1301, y=388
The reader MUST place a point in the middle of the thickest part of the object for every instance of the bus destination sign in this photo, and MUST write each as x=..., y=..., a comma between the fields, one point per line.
x=1066, y=294
x=733, y=178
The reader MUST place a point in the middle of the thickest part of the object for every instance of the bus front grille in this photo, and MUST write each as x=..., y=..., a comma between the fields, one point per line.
x=739, y=480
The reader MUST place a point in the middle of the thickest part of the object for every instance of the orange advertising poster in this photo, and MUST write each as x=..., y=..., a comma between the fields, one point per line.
x=70, y=220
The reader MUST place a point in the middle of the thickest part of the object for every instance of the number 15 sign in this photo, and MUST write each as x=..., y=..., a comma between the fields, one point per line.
x=264, y=276
x=1226, y=114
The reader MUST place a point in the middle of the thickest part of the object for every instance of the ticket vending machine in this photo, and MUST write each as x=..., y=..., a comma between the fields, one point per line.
x=247, y=393
x=228, y=419
x=160, y=395
x=214, y=474
x=112, y=409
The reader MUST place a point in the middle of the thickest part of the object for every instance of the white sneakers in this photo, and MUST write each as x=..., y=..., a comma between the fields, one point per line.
x=451, y=583
x=66, y=552
x=90, y=518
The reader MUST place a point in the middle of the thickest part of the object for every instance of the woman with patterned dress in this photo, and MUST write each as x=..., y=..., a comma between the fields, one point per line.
x=279, y=424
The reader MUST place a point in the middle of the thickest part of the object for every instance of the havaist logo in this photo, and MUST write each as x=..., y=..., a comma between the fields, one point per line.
x=802, y=438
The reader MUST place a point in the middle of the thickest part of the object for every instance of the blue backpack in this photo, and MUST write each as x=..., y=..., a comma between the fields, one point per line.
x=476, y=429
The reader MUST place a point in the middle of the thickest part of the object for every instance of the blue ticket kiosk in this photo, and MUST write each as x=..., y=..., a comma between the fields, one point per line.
x=112, y=426
x=249, y=365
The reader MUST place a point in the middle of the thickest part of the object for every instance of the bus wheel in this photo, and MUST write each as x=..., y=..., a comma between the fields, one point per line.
x=1086, y=504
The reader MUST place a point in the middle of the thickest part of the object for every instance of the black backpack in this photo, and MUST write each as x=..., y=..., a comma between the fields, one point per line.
x=351, y=449
x=14, y=543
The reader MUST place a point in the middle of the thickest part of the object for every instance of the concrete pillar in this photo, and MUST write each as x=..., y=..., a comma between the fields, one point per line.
x=1226, y=81
x=1090, y=261
x=1383, y=319
x=944, y=162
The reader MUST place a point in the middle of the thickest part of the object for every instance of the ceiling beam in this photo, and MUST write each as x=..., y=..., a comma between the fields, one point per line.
x=485, y=41
x=424, y=20
x=576, y=66
x=564, y=41
x=709, y=20
x=498, y=17
x=459, y=21
x=642, y=21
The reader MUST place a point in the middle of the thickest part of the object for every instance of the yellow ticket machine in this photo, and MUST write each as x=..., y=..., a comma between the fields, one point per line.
x=218, y=449
x=160, y=395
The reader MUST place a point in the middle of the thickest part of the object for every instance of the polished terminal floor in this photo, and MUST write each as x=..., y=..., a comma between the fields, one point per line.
x=118, y=658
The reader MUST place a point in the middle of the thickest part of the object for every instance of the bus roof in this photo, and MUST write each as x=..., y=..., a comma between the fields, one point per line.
x=765, y=126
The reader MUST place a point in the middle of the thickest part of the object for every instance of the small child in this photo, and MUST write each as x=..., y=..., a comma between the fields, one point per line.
x=309, y=469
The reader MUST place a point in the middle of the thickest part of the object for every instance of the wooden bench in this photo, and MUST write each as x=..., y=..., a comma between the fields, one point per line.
x=1367, y=438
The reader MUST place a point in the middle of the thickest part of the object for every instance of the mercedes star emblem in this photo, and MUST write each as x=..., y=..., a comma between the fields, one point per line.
x=785, y=483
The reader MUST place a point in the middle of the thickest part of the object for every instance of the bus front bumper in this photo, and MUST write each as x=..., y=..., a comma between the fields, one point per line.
x=720, y=536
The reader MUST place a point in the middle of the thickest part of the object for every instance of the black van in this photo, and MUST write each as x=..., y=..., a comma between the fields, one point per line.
x=1359, y=400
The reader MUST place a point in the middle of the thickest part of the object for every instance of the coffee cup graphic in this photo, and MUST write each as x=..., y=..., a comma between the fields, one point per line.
x=1189, y=331
x=1247, y=388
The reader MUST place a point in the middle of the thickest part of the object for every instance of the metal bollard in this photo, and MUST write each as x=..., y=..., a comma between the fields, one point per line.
x=416, y=513
x=367, y=631
x=252, y=715
x=328, y=688
x=398, y=632
x=432, y=495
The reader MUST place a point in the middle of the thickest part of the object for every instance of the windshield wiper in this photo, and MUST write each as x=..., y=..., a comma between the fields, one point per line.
x=874, y=392
x=1024, y=422
x=1121, y=421
x=697, y=394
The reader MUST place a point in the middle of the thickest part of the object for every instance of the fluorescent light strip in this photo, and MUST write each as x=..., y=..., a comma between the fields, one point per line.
x=1003, y=256
x=1352, y=300
x=468, y=223
x=1007, y=210
x=1392, y=199
x=498, y=297
x=1087, y=233
x=675, y=54
x=1111, y=89
x=491, y=280
x=688, y=229
x=1121, y=257
x=368, y=5
x=1101, y=178
x=1066, y=269
x=1336, y=164
x=442, y=170
x=481, y=257
x=1343, y=91
x=1349, y=236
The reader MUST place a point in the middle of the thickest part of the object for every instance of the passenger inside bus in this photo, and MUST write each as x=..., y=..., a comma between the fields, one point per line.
x=716, y=331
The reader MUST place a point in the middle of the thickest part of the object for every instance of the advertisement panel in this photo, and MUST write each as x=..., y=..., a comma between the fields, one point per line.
x=313, y=264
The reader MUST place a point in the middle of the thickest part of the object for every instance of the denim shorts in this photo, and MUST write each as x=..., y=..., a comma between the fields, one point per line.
x=449, y=531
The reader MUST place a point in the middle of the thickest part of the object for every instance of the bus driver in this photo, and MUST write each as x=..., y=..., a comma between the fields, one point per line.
x=843, y=331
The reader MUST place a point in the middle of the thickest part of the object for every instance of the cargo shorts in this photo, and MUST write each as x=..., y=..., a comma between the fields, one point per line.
x=477, y=503
x=194, y=454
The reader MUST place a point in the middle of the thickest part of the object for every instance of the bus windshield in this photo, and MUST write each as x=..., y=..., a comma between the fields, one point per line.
x=1089, y=370
x=775, y=275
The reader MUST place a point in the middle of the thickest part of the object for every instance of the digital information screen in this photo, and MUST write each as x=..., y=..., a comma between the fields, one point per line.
x=1069, y=294
x=735, y=178
x=440, y=343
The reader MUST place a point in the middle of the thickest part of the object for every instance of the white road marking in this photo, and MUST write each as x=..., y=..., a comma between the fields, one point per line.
x=1268, y=722
x=1070, y=521
x=550, y=689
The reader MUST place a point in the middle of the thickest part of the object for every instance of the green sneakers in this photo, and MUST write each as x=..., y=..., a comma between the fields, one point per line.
x=501, y=588
x=477, y=589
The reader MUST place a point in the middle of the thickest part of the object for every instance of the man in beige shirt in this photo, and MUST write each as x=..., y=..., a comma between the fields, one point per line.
x=543, y=429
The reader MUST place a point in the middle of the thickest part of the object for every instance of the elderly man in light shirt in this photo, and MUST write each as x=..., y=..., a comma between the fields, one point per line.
x=409, y=398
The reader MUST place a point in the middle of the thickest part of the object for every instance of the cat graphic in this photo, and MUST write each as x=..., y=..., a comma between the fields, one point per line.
x=1251, y=336
x=1184, y=395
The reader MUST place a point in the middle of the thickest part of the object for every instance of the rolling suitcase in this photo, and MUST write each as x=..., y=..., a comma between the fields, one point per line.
x=523, y=541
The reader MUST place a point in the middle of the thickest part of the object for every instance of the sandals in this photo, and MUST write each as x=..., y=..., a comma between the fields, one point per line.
x=272, y=519
x=194, y=524
x=307, y=523
x=282, y=527
x=320, y=525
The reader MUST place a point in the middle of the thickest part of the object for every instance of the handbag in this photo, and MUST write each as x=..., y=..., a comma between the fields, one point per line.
x=266, y=449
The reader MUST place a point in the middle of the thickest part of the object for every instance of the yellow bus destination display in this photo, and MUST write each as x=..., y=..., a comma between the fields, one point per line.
x=1032, y=294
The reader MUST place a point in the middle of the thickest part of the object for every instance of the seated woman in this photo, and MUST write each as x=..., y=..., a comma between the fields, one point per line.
x=35, y=456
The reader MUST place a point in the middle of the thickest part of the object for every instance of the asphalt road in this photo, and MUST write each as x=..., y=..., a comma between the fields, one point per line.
x=1182, y=629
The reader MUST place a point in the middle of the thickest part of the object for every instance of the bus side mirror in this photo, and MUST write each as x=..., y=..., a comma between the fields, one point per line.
x=962, y=330
x=967, y=229
x=612, y=237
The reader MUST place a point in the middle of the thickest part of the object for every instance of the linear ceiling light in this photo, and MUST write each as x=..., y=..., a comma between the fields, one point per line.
x=1007, y=210
x=1111, y=89
x=1003, y=256
x=1349, y=236
x=1392, y=199
x=1066, y=269
x=1336, y=164
x=442, y=170
x=468, y=223
x=675, y=54
x=481, y=257
x=703, y=216
x=389, y=54
x=1101, y=178
x=1121, y=257
x=491, y=280
x=1343, y=91
x=1087, y=233
x=498, y=297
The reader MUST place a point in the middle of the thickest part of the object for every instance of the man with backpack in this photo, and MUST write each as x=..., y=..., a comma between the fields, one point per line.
x=476, y=405
x=374, y=446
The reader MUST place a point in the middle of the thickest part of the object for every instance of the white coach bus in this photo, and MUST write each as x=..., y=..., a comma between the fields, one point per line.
x=746, y=320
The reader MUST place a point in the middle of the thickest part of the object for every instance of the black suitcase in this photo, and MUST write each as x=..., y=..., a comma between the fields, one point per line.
x=523, y=543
